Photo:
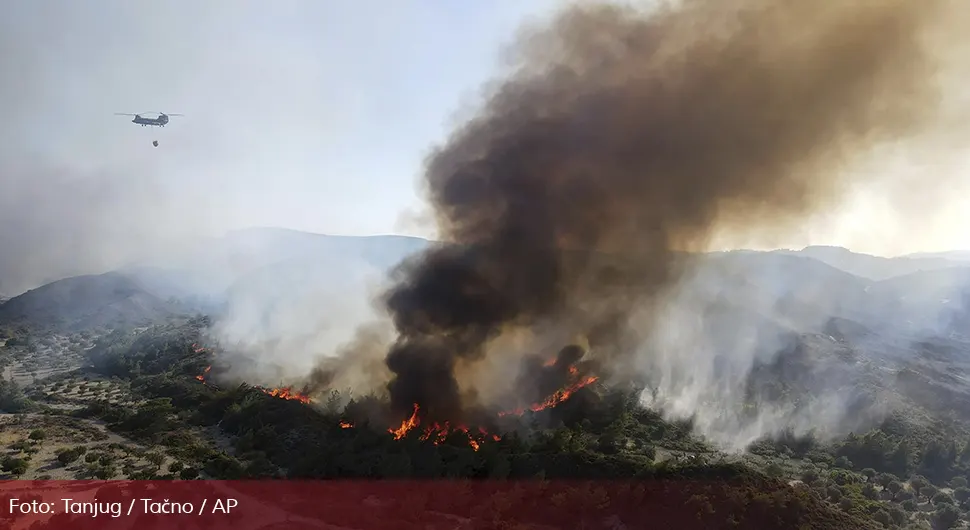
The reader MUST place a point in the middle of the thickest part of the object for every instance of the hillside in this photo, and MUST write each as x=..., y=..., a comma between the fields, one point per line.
x=802, y=289
x=809, y=330
x=933, y=302
x=208, y=268
x=875, y=267
x=264, y=277
x=85, y=302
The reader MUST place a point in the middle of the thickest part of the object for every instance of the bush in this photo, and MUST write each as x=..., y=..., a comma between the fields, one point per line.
x=894, y=487
x=942, y=498
x=66, y=457
x=946, y=516
x=834, y=493
x=14, y=466
x=962, y=493
x=904, y=495
x=882, y=517
x=189, y=473
x=37, y=434
x=898, y=515
x=958, y=482
x=105, y=472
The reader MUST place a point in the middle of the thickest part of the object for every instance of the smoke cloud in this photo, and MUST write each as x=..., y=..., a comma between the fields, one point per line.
x=621, y=139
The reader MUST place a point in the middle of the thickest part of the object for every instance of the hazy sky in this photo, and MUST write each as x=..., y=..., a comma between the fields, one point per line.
x=314, y=115
x=306, y=114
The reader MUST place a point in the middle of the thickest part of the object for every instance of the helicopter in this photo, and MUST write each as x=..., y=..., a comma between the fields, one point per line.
x=160, y=121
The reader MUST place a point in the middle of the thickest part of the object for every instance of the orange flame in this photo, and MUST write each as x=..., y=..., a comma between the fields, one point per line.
x=197, y=349
x=556, y=398
x=406, y=425
x=346, y=425
x=287, y=393
x=201, y=377
x=438, y=433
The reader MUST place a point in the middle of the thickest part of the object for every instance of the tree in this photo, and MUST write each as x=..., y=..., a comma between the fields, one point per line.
x=941, y=498
x=12, y=398
x=846, y=504
x=882, y=517
x=37, y=434
x=909, y=505
x=774, y=470
x=834, y=493
x=900, y=460
x=917, y=482
x=334, y=402
x=935, y=459
x=810, y=476
x=965, y=453
x=66, y=457
x=898, y=515
x=958, y=482
x=105, y=472
x=903, y=495
x=843, y=462
x=962, y=493
x=927, y=491
x=869, y=473
x=946, y=516
x=14, y=466
x=894, y=487
x=883, y=479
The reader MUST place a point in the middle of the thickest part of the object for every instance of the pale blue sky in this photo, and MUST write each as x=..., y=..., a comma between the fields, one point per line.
x=301, y=113
x=307, y=114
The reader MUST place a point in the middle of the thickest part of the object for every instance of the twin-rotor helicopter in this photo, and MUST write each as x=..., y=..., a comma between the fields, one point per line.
x=161, y=120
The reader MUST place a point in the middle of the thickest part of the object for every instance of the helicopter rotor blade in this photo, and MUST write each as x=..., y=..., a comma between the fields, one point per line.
x=175, y=114
x=124, y=114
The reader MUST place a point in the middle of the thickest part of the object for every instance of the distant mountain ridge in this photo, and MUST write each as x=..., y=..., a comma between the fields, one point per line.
x=877, y=267
x=265, y=269
x=85, y=302
x=210, y=267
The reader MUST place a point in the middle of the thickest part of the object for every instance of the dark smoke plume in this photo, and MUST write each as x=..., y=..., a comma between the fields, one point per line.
x=622, y=138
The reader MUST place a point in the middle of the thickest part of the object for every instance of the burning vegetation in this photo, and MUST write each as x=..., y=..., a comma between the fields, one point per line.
x=563, y=369
x=622, y=139
x=204, y=374
x=282, y=392
x=439, y=432
x=286, y=392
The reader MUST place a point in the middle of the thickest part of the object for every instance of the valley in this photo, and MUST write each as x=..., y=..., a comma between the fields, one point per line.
x=86, y=398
